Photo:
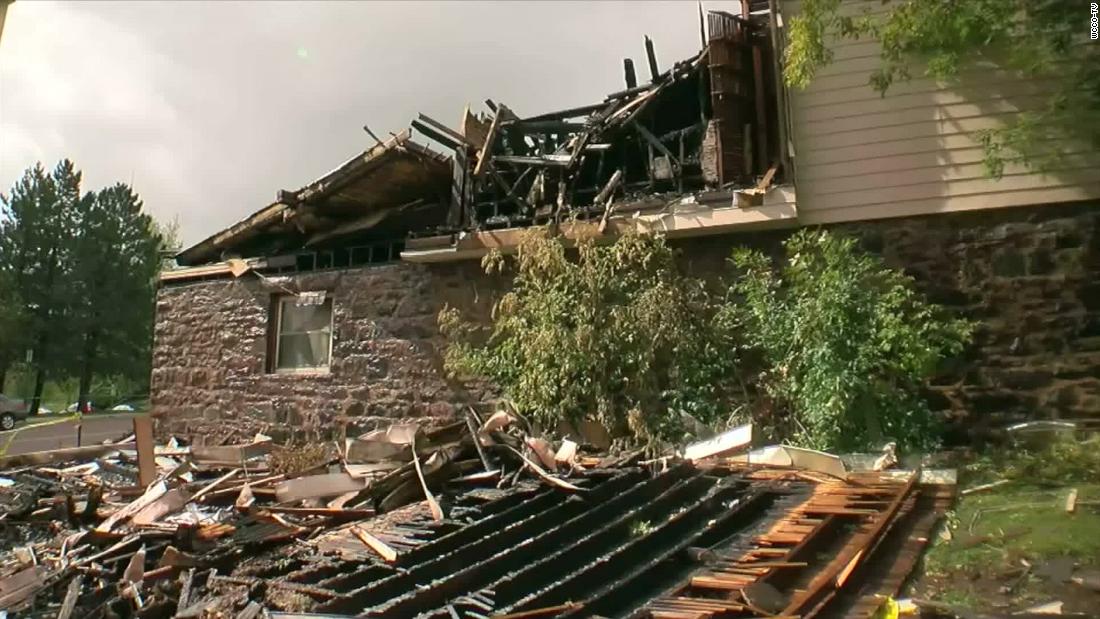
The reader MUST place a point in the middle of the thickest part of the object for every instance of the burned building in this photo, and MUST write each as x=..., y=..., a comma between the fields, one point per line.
x=317, y=314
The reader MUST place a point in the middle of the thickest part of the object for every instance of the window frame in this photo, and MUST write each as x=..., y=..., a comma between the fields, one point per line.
x=277, y=336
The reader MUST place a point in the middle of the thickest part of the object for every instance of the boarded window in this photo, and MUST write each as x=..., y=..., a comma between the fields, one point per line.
x=303, y=334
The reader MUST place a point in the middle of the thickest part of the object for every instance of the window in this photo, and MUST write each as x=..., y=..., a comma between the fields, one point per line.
x=303, y=332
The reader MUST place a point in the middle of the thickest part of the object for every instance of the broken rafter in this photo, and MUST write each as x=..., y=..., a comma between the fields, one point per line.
x=651, y=56
x=583, y=110
x=490, y=141
x=433, y=505
x=628, y=73
x=656, y=143
x=541, y=160
x=454, y=135
x=439, y=136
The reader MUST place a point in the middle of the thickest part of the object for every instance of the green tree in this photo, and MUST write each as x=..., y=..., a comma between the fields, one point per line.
x=13, y=320
x=847, y=340
x=35, y=251
x=1040, y=39
x=616, y=334
x=116, y=260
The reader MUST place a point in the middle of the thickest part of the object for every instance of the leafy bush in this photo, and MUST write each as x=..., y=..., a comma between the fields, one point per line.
x=848, y=342
x=617, y=334
x=1065, y=460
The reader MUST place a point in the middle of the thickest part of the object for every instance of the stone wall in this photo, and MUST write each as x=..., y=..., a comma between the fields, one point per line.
x=210, y=377
x=1030, y=276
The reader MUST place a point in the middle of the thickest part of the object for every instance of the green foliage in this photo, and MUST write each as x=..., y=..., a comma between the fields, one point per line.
x=35, y=256
x=1062, y=460
x=83, y=267
x=617, y=334
x=116, y=259
x=13, y=321
x=847, y=340
x=1042, y=39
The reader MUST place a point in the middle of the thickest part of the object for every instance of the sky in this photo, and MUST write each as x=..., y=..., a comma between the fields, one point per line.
x=209, y=108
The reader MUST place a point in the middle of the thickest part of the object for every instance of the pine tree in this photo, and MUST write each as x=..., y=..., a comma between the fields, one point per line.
x=114, y=269
x=34, y=253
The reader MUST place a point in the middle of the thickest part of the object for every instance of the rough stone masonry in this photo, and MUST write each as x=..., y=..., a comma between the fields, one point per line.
x=1030, y=276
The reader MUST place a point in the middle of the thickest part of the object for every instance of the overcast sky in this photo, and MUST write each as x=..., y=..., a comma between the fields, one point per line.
x=210, y=107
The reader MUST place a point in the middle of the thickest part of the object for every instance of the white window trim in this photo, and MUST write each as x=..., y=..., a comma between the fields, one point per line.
x=313, y=369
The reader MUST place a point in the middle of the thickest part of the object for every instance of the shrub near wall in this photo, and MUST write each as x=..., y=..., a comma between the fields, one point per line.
x=848, y=342
x=618, y=334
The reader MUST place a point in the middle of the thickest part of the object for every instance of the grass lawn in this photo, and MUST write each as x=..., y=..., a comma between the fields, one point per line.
x=999, y=547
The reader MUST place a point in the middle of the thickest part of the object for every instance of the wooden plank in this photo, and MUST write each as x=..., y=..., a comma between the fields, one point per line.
x=22, y=585
x=560, y=483
x=383, y=549
x=71, y=596
x=433, y=505
x=143, y=438
x=486, y=151
x=725, y=442
x=215, y=484
x=154, y=492
x=171, y=502
x=317, y=486
x=62, y=455
x=318, y=511
x=230, y=453
x=22, y=579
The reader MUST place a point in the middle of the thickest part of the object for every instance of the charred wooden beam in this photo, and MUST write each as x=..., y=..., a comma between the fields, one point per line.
x=651, y=56
x=629, y=92
x=454, y=135
x=628, y=73
x=573, y=112
x=542, y=160
x=439, y=136
x=547, y=126
x=656, y=143
x=486, y=151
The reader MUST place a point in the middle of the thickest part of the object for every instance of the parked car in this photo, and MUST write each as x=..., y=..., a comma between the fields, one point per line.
x=11, y=411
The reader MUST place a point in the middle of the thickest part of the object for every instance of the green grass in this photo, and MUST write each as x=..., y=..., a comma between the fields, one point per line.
x=59, y=394
x=999, y=527
x=994, y=534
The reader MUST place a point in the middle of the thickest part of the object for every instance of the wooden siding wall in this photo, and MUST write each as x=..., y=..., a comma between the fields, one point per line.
x=859, y=155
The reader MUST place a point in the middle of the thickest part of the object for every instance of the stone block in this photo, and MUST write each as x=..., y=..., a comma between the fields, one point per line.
x=1010, y=263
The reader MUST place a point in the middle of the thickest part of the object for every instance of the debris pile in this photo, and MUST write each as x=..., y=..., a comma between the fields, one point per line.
x=478, y=518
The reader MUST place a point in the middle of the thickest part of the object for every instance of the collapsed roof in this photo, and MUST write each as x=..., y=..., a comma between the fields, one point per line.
x=456, y=522
x=710, y=122
x=383, y=190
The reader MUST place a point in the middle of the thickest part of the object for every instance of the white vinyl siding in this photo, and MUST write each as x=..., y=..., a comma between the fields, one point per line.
x=859, y=155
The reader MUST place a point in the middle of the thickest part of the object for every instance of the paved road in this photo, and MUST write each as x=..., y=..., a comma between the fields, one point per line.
x=96, y=429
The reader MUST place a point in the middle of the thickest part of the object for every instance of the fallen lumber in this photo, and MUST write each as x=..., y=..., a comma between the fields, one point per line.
x=62, y=455
x=383, y=549
x=317, y=487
